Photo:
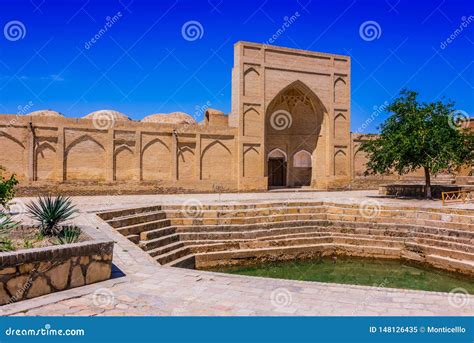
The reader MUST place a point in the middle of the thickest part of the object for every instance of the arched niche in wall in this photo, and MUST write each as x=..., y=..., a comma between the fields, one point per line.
x=45, y=157
x=156, y=161
x=341, y=126
x=359, y=162
x=302, y=159
x=340, y=90
x=13, y=161
x=252, y=122
x=186, y=163
x=123, y=166
x=216, y=162
x=251, y=161
x=251, y=82
x=302, y=168
x=85, y=159
x=340, y=163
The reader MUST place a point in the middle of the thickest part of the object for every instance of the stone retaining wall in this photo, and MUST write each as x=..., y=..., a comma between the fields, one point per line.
x=416, y=190
x=34, y=272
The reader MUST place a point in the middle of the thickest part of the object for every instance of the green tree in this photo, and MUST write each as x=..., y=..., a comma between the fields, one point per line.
x=419, y=135
x=7, y=188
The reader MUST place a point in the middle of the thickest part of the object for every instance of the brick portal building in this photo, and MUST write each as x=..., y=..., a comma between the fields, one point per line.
x=289, y=126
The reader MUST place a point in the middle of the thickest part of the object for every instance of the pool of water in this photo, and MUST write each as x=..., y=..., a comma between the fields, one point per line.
x=358, y=271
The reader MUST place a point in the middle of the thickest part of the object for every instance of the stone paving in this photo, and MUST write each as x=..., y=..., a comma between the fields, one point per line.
x=149, y=289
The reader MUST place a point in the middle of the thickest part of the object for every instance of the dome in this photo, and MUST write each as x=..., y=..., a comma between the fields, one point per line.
x=45, y=113
x=171, y=118
x=107, y=114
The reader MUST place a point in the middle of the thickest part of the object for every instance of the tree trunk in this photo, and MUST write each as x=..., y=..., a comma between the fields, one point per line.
x=427, y=183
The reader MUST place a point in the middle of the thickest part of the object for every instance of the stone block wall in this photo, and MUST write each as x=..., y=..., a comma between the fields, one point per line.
x=31, y=273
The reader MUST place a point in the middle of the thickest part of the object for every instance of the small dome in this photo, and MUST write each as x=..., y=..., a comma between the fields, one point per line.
x=45, y=113
x=171, y=118
x=107, y=114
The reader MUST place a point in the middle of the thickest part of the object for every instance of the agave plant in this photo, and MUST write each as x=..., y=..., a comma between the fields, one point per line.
x=50, y=212
x=69, y=234
x=6, y=223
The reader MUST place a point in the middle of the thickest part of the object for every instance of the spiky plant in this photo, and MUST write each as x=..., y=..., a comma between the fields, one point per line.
x=6, y=223
x=50, y=211
x=69, y=234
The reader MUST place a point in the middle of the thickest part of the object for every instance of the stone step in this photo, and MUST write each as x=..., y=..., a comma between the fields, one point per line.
x=187, y=261
x=172, y=255
x=192, y=248
x=107, y=215
x=258, y=232
x=142, y=227
x=181, y=214
x=166, y=248
x=245, y=256
x=320, y=216
x=315, y=232
x=343, y=225
x=455, y=251
x=289, y=204
x=432, y=250
x=454, y=265
x=134, y=238
x=157, y=233
x=159, y=242
x=400, y=235
x=136, y=219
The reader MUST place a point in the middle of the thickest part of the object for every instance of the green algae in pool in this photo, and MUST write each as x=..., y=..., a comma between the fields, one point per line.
x=358, y=271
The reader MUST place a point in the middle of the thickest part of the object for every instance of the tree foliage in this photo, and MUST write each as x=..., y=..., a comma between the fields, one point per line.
x=7, y=188
x=419, y=135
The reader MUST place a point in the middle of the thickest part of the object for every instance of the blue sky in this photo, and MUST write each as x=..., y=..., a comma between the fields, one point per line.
x=143, y=65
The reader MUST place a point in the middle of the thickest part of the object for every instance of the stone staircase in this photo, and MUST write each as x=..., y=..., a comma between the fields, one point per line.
x=226, y=234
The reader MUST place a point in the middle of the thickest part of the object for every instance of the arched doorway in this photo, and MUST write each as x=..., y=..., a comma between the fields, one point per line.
x=293, y=123
x=277, y=161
